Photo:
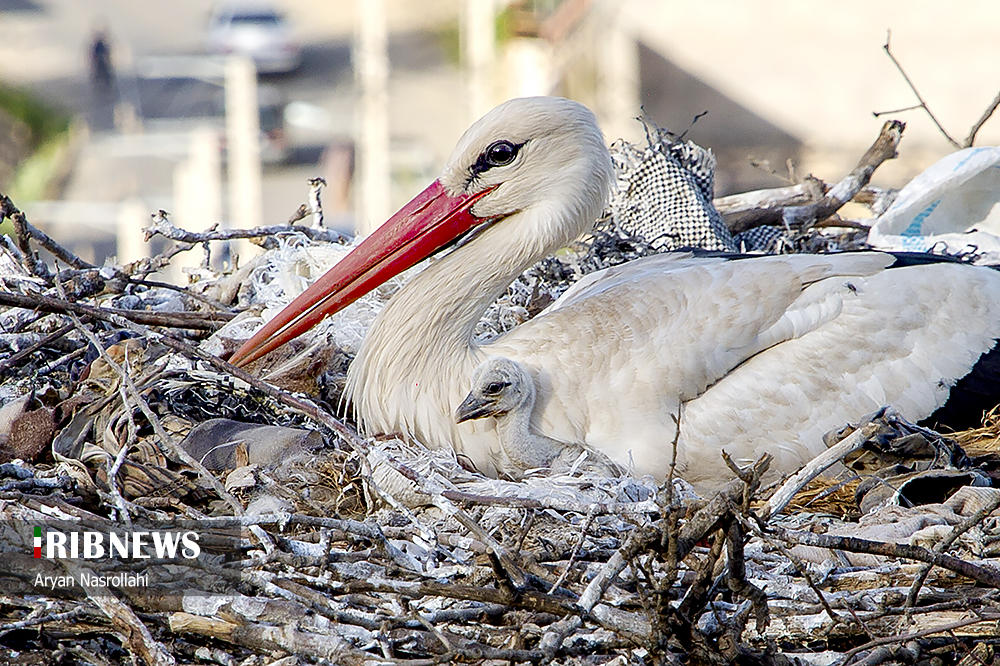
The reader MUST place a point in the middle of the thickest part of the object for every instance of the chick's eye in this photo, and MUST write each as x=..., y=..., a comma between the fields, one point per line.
x=501, y=153
x=494, y=387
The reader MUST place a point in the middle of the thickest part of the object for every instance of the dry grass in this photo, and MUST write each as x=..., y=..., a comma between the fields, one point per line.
x=984, y=440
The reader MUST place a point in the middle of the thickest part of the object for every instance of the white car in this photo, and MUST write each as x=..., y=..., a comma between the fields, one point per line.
x=256, y=30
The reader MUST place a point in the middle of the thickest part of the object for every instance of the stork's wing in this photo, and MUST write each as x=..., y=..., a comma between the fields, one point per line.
x=692, y=319
x=766, y=354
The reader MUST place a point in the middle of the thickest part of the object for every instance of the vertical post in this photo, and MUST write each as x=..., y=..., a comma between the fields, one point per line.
x=529, y=68
x=618, y=79
x=197, y=195
x=132, y=217
x=243, y=147
x=371, y=70
x=479, y=53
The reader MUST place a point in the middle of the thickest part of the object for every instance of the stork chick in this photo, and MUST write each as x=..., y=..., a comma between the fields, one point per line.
x=503, y=389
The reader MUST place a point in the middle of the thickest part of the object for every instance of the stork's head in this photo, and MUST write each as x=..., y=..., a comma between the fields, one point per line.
x=531, y=151
x=539, y=162
x=499, y=386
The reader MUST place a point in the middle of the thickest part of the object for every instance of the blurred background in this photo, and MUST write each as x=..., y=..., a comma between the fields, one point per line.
x=219, y=112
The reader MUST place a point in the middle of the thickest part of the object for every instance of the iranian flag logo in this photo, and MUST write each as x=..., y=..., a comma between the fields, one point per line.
x=38, y=541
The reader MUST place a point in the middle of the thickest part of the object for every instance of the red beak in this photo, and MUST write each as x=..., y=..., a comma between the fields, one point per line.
x=419, y=229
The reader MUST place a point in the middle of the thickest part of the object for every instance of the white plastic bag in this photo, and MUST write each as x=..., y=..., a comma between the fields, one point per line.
x=952, y=207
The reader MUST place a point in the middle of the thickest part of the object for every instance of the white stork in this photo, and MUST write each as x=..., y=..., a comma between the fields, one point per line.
x=754, y=355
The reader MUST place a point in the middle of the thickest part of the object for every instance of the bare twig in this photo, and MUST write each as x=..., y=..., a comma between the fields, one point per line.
x=163, y=227
x=67, y=616
x=22, y=231
x=923, y=103
x=555, y=503
x=971, y=139
x=576, y=550
x=300, y=214
x=800, y=567
x=879, y=114
x=137, y=636
x=751, y=209
x=16, y=359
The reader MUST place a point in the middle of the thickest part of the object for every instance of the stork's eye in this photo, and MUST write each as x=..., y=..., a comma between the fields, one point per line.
x=497, y=154
x=493, y=388
x=501, y=153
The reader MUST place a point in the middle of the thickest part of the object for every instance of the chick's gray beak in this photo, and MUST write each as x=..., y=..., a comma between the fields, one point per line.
x=473, y=408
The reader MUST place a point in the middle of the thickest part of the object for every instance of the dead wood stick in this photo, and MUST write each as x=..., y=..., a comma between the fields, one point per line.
x=28, y=230
x=576, y=550
x=598, y=508
x=800, y=567
x=638, y=541
x=16, y=359
x=222, y=307
x=981, y=574
x=163, y=227
x=808, y=191
x=704, y=521
x=930, y=631
x=714, y=515
x=527, y=599
x=923, y=104
x=752, y=209
x=66, y=358
x=192, y=320
x=944, y=544
x=780, y=499
x=883, y=149
x=29, y=257
x=137, y=636
x=265, y=637
x=370, y=531
x=331, y=647
x=44, y=619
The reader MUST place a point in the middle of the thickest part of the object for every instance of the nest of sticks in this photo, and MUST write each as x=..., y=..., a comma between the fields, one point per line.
x=320, y=546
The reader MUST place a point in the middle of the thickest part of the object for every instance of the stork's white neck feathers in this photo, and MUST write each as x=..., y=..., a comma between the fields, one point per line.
x=549, y=195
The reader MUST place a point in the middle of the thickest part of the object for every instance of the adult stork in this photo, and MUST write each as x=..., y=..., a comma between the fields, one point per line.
x=761, y=354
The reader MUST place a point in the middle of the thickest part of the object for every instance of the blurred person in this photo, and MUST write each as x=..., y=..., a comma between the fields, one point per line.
x=102, y=73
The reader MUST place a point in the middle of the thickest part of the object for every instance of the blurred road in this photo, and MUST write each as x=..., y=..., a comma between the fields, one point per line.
x=46, y=48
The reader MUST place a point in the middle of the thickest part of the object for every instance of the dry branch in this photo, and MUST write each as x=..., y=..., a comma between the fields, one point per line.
x=161, y=226
x=883, y=149
x=781, y=497
x=922, y=103
x=192, y=320
x=987, y=114
x=984, y=574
